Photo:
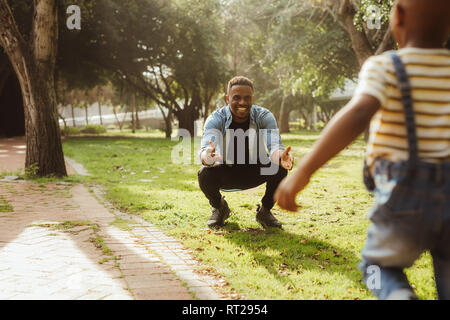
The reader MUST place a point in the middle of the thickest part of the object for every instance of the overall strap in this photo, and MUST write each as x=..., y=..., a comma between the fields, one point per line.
x=407, y=101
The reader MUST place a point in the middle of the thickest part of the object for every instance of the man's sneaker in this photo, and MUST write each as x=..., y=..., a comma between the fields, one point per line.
x=266, y=218
x=219, y=215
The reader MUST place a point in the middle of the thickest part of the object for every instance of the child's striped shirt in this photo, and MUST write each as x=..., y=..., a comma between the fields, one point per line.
x=429, y=74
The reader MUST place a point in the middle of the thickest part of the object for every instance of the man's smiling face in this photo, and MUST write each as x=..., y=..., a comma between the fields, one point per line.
x=240, y=99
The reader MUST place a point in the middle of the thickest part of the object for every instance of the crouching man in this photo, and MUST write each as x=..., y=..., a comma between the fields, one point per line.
x=241, y=149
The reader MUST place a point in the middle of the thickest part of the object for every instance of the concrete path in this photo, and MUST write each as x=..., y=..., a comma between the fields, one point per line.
x=62, y=241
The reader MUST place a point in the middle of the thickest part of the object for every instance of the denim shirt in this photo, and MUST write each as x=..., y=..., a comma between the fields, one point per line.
x=262, y=124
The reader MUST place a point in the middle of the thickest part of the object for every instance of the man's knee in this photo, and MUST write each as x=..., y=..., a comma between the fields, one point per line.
x=280, y=174
x=203, y=173
x=206, y=174
x=273, y=172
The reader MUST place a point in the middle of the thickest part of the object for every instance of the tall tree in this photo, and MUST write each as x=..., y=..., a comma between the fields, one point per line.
x=172, y=56
x=34, y=64
x=295, y=53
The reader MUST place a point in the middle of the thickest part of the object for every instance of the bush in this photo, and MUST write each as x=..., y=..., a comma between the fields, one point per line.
x=70, y=131
x=93, y=129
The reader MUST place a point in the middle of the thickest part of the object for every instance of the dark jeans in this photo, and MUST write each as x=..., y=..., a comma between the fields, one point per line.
x=212, y=179
x=411, y=214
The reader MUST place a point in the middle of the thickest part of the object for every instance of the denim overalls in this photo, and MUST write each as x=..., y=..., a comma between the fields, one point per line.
x=411, y=213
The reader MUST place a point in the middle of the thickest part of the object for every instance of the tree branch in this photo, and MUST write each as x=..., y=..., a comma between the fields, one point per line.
x=386, y=43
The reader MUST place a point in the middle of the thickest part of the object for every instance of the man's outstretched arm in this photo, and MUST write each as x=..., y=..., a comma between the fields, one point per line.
x=342, y=130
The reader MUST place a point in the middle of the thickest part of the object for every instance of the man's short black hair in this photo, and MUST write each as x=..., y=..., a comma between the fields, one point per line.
x=239, y=81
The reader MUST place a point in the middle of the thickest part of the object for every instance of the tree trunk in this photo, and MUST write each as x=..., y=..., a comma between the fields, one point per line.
x=314, y=117
x=73, y=116
x=167, y=121
x=133, y=108
x=304, y=116
x=100, y=112
x=206, y=113
x=119, y=123
x=186, y=119
x=136, y=117
x=34, y=66
x=284, y=117
x=168, y=127
x=360, y=44
x=86, y=113
x=61, y=116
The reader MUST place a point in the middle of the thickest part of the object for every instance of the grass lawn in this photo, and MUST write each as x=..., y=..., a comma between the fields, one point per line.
x=316, y=254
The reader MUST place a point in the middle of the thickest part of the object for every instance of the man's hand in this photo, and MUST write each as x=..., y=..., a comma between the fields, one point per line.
x=284, y=158
x=209, y=156
x=289, y=188
x=287, y=161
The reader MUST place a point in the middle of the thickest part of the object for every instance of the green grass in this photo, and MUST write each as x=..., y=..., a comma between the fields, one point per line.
x=122, y=224
x=5, y=206
x=66, y=226
x=313, y=257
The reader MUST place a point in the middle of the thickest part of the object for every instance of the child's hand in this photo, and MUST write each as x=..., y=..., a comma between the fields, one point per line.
x=288, y=189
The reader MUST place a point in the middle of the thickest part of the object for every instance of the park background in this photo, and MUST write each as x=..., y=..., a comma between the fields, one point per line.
x=112, y=91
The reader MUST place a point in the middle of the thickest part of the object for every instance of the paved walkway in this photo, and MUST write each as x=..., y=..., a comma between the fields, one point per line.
x=59, y=242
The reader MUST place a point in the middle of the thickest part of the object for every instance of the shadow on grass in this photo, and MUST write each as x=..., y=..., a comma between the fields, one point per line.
x=284, y=253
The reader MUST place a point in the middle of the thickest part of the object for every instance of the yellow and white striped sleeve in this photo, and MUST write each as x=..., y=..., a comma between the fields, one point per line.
x=372, y=79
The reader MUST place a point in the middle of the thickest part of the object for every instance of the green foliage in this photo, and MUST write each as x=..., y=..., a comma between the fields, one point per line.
x=31, y=172
x=5, y=206
x=171, y=56
x=77, y=63
x=93, y=129
x=70, y=131
x=294, y=51
x=313, y=55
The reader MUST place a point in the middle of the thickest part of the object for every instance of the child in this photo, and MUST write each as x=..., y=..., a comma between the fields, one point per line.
x=408, y=152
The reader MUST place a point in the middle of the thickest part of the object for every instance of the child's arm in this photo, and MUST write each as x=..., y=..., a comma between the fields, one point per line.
x=345, y=127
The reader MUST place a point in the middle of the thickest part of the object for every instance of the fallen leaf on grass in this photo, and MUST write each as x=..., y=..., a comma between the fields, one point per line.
x=223, y=283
